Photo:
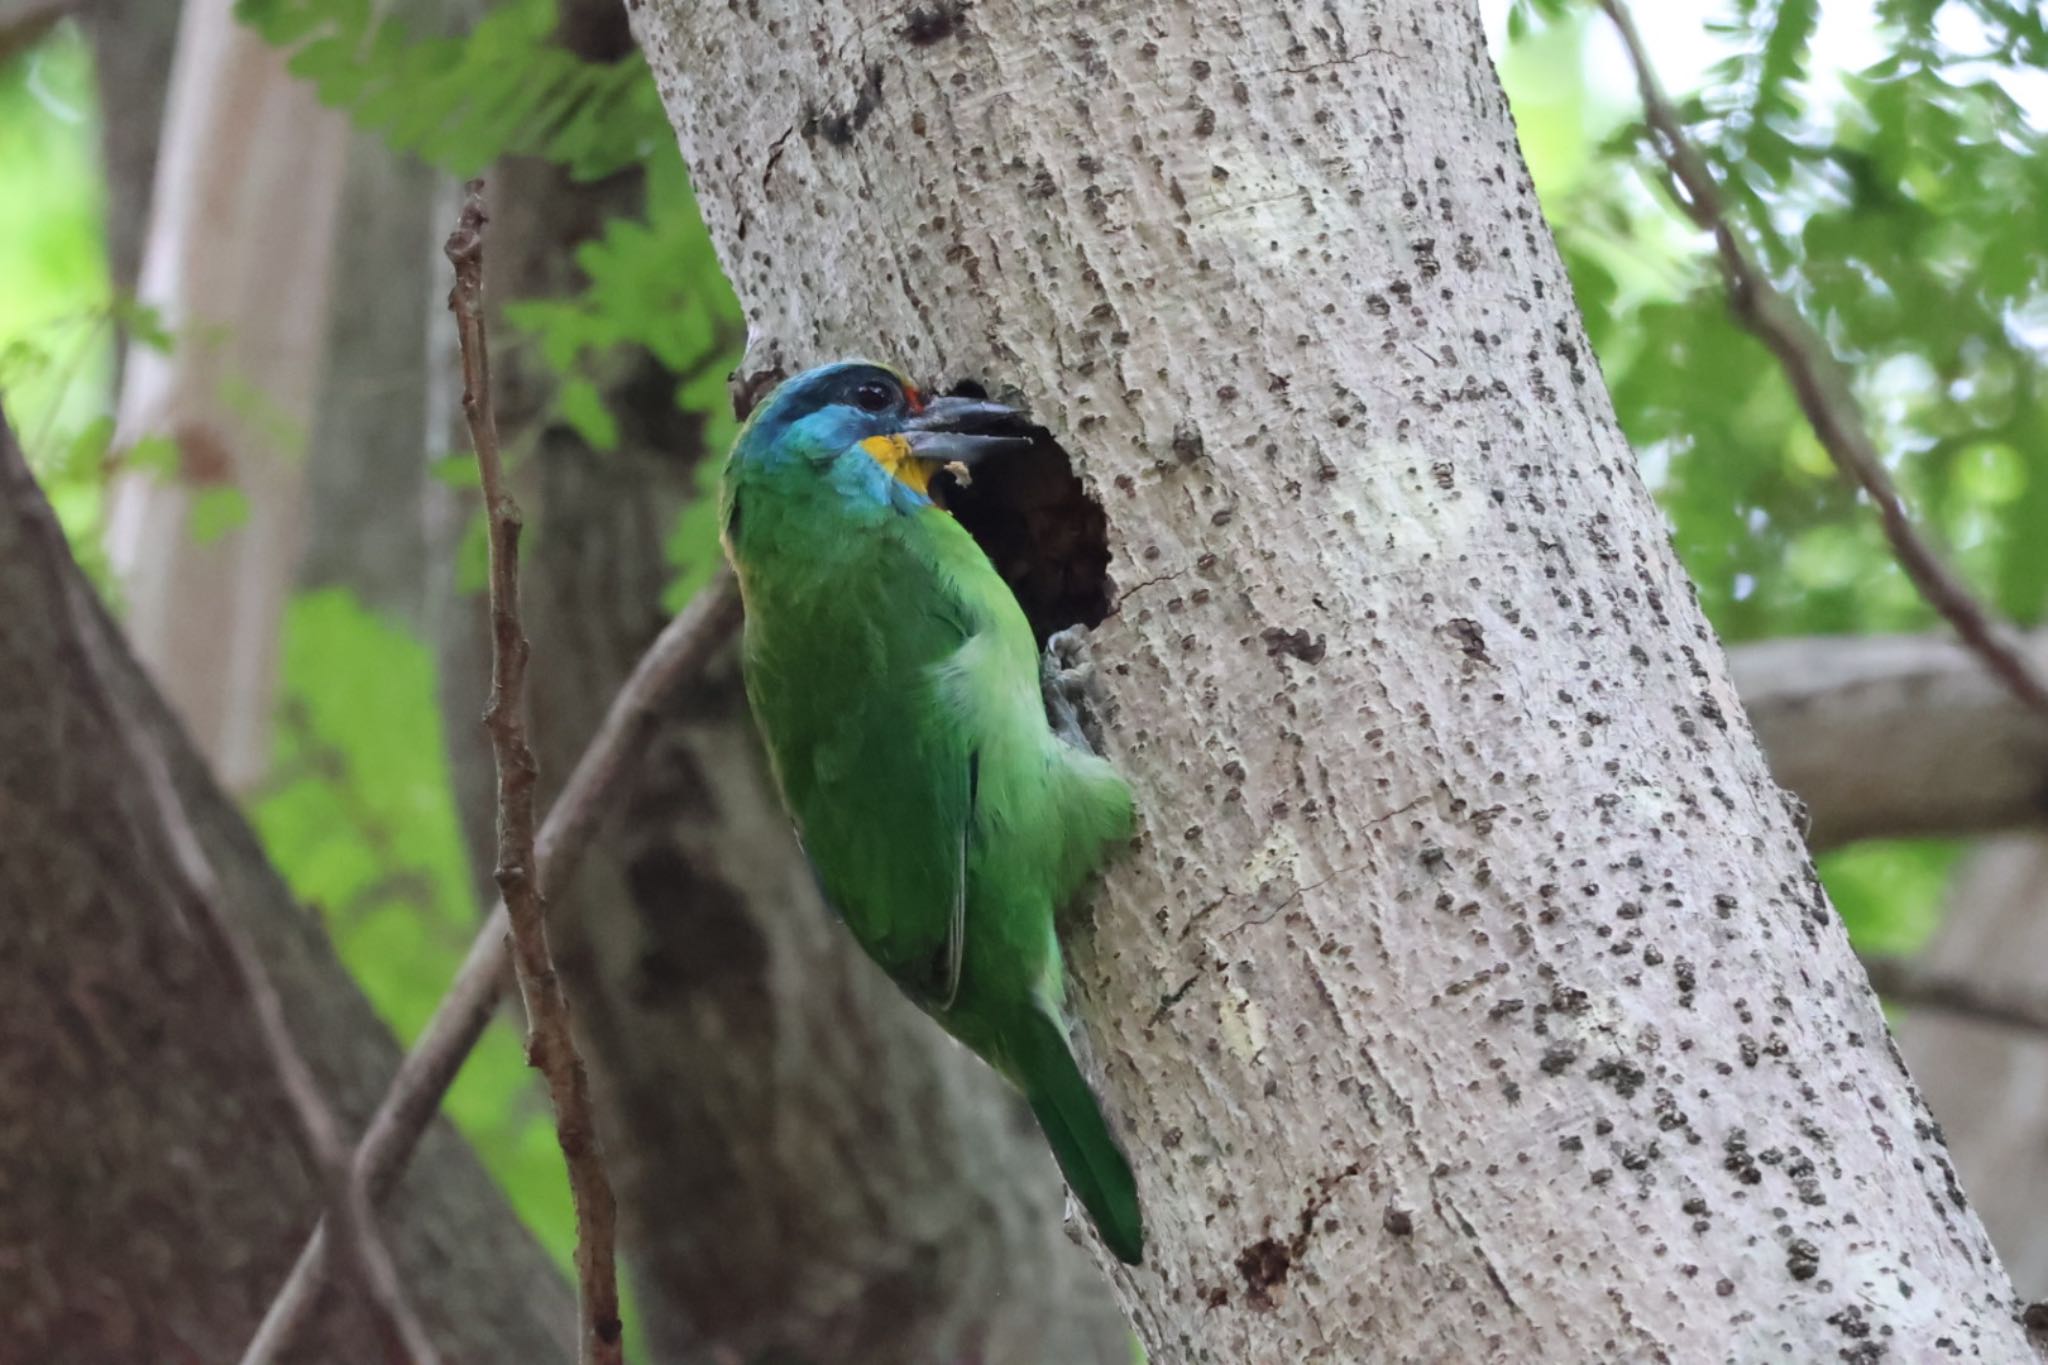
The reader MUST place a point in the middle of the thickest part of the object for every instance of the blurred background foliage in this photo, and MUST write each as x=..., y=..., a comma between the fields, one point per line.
x=1885, y=155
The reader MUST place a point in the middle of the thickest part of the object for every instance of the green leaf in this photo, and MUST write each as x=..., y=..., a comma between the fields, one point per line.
x=157, y=455
x=88, y=449
x=503, y=90
x=473, y=555
x=217, y=510
x=582, y=407
x=457, y=470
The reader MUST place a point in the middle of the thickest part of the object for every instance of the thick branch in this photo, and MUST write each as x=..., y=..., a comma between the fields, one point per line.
x=1823, y=393
x=550, y=1047
x=1916, y=985
x=1895, y=735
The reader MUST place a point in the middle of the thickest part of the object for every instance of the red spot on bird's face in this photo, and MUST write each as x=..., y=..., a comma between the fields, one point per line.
x=913, y=397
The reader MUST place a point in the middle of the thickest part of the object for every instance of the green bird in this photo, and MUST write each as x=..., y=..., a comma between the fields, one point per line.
x=896, y=682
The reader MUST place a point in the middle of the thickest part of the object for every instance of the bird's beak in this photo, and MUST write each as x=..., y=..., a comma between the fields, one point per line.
x=966, y=430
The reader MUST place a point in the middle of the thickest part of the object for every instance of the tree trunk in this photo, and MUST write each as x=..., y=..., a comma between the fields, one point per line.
x=370, y=449
x=1468, y=993
x=132, y=46
x=241, y=231
x=805, y=1172
x=154, y=1188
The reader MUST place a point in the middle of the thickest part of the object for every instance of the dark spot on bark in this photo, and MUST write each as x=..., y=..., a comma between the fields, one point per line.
x=1187, y=444
x=1295, y=643
x=1802, y=1259
x=1737, y=1161
x=748, y=388
x=928, y=24
x=1399, y=1222
x=1172, y=998
x=1264, y=1266
x=1623, y=1076
x=839, y=127
x=1469, y=638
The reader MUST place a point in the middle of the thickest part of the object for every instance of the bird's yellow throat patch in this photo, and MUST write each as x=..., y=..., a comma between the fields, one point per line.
x=893, y=454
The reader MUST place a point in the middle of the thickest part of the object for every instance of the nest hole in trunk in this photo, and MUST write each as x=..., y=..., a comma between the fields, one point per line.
x=1030, y=514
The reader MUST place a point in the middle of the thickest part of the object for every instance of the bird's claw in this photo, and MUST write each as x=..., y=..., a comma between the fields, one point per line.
x=1066, y=676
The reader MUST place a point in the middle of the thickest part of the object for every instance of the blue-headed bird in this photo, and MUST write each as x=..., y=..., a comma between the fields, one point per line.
x=896, y=683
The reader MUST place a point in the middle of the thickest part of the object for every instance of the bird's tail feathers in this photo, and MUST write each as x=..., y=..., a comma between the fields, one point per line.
x=1088, y=1155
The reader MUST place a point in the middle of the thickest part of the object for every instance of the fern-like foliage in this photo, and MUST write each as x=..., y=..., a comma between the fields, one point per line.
x=503, y=89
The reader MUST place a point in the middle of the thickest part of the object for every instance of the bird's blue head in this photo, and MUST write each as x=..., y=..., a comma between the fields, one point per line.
x=870, y=433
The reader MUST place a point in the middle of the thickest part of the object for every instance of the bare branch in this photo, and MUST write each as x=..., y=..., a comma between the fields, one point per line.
x=550, y=1047
x=195, y=894
x=1884, y=736
x=1823, y=393
x=1915, y=985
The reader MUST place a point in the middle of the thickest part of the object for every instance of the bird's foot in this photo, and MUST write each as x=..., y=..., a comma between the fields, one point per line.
x=1066, y=675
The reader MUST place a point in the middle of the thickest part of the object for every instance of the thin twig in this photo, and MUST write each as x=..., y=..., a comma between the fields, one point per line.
x=1823, y=393
x=1918, y=986
x=550, y=1048
x=196, y=896
x=414, y=1098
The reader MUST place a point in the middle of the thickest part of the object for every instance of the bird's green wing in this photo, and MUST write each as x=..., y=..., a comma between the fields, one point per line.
x=879, y=773
x=956, y=928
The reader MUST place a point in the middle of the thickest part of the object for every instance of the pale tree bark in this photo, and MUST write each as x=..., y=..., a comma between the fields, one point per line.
x=1892, y=736
x=1905, y=735
x=1468, y=994
x=156, y=1193
x=248, y=182
x=805, y=1172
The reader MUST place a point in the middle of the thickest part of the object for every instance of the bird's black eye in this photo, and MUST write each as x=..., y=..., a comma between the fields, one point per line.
x=874, y=396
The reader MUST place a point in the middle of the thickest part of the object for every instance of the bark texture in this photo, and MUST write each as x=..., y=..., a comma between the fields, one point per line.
x=242, y=223
x=1468, y=993
x=806, y=1173
x=154, y=1190
x=368, y=473
x=1891, y=736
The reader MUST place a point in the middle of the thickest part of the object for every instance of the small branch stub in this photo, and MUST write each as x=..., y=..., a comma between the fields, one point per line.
x=550, y=1046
